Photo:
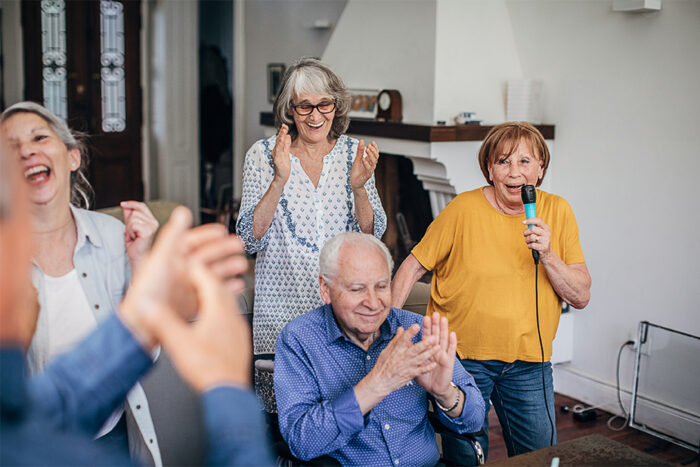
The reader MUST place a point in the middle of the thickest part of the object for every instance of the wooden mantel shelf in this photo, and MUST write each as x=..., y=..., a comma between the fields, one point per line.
x=418, y=132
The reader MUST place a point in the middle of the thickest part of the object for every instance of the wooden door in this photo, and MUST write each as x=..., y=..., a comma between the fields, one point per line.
x=82, y=61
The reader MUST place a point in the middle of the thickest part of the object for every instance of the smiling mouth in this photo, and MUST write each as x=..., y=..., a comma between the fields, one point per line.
x=514, y=187
x=319, y=125
x=37, y=173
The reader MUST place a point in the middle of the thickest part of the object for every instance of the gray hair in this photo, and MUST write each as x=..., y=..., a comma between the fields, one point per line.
x=328, y=260
x=311, y=76
x=80, y=190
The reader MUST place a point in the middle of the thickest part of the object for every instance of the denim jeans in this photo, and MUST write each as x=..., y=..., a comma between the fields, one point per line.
x=515, y=389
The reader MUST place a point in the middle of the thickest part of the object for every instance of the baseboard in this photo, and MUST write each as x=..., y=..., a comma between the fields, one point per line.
x=656, y=415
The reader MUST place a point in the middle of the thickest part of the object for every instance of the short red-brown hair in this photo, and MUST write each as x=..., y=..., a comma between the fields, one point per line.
x=504, y=138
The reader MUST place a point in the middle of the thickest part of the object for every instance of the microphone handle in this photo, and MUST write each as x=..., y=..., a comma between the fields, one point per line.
x=530, y=213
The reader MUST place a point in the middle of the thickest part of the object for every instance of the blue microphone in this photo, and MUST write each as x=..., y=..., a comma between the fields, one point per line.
x=529, y=197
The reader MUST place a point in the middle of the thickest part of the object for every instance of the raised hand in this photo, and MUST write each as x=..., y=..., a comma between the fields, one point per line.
x=216, y=349
x=220, y=252
x=400, y=362
x=164, y=280
x=437, y=381
x=141, y=226
x=280, y=154
x=364, y=165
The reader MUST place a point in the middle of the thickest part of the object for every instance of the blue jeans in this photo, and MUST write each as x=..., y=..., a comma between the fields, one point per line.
x=515, y=389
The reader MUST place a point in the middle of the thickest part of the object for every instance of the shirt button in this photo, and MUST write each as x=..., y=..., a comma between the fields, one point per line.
x=97, y=307
x=386, y=427
x=369, y=358
x=396, y=462
x=138, y=406
x=84, y=275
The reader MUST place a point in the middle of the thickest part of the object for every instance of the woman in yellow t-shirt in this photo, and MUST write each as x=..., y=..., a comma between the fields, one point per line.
x=478, y=248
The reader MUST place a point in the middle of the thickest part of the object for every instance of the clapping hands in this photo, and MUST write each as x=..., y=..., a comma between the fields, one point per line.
x=364, y=165
x=437, y=380
x=280, y=155
x=193, y=270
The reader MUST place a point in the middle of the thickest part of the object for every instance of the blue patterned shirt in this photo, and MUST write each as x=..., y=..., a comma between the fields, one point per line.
x=316, y=369
x=286, y=269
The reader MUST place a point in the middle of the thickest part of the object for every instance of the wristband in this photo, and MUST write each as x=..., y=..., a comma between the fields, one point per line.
x=454, y=406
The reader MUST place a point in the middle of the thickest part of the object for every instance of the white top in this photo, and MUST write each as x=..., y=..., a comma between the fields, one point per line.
x=70, y=320
x=286, y=268
x=69, y=314
x=104, y=272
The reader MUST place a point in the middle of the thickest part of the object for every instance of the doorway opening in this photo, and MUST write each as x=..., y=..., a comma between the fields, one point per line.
x=216, y=110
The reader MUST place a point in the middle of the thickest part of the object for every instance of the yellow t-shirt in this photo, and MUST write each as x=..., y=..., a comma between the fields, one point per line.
x=484, y=276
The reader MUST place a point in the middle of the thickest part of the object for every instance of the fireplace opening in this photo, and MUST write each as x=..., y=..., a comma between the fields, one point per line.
x=406, y=203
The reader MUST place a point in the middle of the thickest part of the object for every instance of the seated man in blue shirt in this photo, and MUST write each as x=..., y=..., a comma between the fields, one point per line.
x=353, y=377
x=52, y=417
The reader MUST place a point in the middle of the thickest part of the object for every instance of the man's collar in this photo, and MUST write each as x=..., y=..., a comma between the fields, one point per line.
x=86, y=229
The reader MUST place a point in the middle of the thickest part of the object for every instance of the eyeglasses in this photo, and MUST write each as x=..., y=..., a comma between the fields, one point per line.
x=324, y=107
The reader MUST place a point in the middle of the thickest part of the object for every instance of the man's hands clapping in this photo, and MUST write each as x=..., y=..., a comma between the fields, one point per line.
x=429, y=362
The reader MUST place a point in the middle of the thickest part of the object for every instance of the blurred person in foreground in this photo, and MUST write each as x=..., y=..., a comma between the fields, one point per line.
x=50, y=418
x=479, y=249
x=353, y=377
x=82, y=260
x=301, y=187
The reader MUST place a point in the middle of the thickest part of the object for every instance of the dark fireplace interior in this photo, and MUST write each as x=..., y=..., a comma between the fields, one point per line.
x=402, y=195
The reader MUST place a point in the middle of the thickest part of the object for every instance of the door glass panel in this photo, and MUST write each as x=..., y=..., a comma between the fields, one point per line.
x=53, y=56
x=112, y=66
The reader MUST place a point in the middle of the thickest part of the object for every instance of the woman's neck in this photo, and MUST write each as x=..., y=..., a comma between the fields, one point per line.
x=314, y=151
x=55, y=237
x=49, y=220
x=501, y=206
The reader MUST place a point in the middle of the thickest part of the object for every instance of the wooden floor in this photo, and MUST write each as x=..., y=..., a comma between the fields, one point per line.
x=568, y=428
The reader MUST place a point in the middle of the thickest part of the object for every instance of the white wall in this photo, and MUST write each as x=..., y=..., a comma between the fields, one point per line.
x=278, y=31
x=388, y=44
x=623, y=90
x=475, y=54
x=173, y=110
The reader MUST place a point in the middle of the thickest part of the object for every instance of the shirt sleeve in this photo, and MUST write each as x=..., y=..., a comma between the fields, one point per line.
x=235, y=428
x=472, y=417
x=254, y=187
x=81, y=388
x=311, y=426
x=439, y=238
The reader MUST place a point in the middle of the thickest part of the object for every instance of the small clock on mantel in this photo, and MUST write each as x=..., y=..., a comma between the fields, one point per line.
x=389, y=106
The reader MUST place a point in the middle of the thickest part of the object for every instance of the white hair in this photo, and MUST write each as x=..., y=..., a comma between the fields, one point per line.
x=328, y=260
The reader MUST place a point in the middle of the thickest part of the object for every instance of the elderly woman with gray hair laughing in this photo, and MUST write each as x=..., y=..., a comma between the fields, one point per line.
x=301, y=187
x=82, y=260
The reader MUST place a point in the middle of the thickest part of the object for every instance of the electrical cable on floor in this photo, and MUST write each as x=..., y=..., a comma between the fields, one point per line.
x=539, y=334
x=619, y=401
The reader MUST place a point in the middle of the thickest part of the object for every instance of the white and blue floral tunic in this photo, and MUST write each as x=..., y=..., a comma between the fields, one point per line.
x=286, y=269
